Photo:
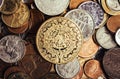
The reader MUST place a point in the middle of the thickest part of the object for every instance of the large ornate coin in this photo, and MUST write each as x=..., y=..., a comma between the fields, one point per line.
x=52, y=7
x=59, y=40
x=84, y=21
x=12, y=49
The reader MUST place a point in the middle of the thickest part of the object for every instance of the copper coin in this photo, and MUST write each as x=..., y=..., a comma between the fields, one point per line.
x=92, y=69
x=89, y=48
x=12, y=49
x=113, y=23
x=111, y=63
x=117, y=36
x=52, y=76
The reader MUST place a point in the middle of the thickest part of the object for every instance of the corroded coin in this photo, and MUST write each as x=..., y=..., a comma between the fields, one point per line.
x=95, y=10
x=52, y=76
x=12, y=49
x=18, y=18
x=68, y=70
x=117, y=36
x=59, y=40
x=111, y=63
x=83, y=20
x=52, y=7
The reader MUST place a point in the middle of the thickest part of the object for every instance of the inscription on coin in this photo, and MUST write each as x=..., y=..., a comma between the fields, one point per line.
x=59, y=40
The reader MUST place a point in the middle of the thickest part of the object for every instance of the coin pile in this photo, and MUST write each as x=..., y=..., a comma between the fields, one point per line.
x=60, y=39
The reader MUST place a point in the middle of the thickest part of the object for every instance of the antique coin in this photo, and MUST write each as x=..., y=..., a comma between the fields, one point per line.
x=83, y=20
x=117, y=36
x=111, y=63
x=95, y=10
x=52, y=76
x=104, y=38
x=59, y=40
x=19, y=75
x=12, y=49
x=52, y=7
x=68, y=70
x=18, y=18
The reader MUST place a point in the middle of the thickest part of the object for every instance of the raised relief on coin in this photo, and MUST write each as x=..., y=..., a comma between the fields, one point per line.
x=95, y=10
x=83, y=20
x=68, y=70
x=104, y=38
x=52, y=7
x=18, y=18
x=59, y=40
x=52, y=76
x=111, y=63
x=12, y=49
x=117, y=36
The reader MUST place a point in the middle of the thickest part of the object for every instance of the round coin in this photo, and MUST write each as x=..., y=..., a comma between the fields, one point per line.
x=52, y=76
x=68, y=70
x=18, y=18
x=12, y=49
x=83, y=20
x=59, y=40
x=52, y=7
x=111, y=63
x=95, y=10
x=117, y=36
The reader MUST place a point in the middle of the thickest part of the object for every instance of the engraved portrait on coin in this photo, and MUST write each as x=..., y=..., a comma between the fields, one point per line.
x=59, y=40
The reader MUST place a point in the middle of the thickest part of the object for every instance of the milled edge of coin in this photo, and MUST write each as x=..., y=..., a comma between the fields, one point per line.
x=37, y=36
x=117, y=37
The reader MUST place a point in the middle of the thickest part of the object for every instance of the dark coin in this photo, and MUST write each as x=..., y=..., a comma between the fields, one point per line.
x=52, y=76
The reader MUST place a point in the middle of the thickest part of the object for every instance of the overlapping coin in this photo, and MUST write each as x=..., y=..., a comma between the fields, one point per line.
x=59, y=40
x=117, y=36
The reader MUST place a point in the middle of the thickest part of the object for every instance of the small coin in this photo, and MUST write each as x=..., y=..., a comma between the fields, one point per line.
x=104, y=38
x=111, y=63
x=52, y=76
x=92, y=69
x=83, y=20
x=68, y=70
x=113, y=23
x=12, y=49
x=95, y=10
x=18, y=18
x=52, y=7
x=59, y=40
x=89, y=48
x=117, y=36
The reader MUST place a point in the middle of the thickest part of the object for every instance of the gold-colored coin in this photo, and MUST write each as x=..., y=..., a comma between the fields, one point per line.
x=18, y=18
x=59, y=40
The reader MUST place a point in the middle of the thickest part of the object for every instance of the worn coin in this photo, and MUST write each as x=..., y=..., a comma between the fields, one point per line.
x=59, y=40
x=95, y=10
x=12, y=49
x=52, y=76
x=52, y=7
x=83, y=20
x=68, y=70
x=117, y=36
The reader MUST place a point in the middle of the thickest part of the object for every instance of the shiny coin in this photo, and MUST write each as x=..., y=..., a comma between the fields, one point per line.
x=18, y=18
x=52, y=76
x=104, y=38
x=52, y=7
x=68, y=70
x=84, y=21
x=111, y=63
x=12, y=49
x=59, y=40
x=117, y=37
x=95, y=10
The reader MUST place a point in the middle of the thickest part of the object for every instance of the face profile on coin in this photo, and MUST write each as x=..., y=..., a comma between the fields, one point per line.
x=117, y=36
x=59, y=40
x=68, y=70
x=12, y=49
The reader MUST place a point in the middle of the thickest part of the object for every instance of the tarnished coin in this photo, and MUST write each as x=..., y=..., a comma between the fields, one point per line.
x=68, y=70
x=52, y=7
x=89, y=48
x=28, y=1
x=84, y=21
x=95, y=10
x=52, y=76
x=111, y=63
x=59, y=40
x=104, y=38
x=92, y=69
x=117, y=36
x=12, y=49
x=18, y=18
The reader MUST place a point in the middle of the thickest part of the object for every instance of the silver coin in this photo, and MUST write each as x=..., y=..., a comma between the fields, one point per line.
x=117, y=36
x=52, y=7
x=84, y=21
x=68, y=70
x=95, y=10
x=12, y=49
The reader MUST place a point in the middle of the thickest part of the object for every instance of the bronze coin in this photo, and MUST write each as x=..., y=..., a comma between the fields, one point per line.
x=52, y=76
